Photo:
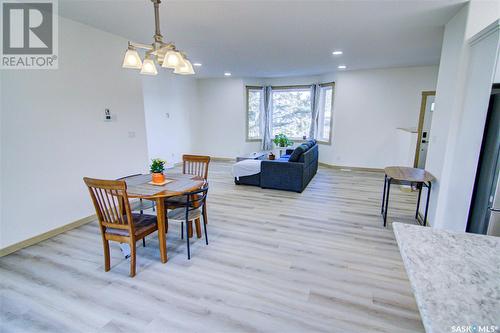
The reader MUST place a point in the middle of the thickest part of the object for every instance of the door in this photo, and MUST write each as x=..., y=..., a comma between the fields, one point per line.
x=484, y=212
x=424, y=128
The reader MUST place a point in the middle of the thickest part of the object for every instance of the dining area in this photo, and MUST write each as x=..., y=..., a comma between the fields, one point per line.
x=178, y=197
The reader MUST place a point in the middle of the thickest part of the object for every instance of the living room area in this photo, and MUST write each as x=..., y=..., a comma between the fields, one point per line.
x=250, y=166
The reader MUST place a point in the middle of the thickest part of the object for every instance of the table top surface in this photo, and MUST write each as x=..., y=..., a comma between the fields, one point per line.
x=138, y=187
x=408, y=174
x=454, y=276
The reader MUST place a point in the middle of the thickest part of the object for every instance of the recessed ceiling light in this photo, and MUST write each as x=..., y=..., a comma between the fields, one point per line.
x=227, y=74
x=337, y=52
x=342, y=67
x=197, y=64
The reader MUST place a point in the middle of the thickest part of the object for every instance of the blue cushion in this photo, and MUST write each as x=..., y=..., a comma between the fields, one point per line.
x=297, y=152
x=311, y=143
x=287, y=156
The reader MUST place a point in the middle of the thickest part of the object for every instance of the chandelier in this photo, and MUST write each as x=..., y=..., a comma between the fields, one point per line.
x=165, y=54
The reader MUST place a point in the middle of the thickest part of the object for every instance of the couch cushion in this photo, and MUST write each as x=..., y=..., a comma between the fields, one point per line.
x=310, y=143
x=297, y=152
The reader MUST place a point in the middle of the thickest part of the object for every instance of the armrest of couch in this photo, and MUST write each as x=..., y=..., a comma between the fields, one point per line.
x=282, y=175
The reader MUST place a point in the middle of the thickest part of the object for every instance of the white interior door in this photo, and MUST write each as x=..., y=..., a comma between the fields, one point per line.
x=426, y=132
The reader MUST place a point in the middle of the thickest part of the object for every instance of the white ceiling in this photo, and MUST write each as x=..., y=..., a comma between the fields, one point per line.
x=280, y=38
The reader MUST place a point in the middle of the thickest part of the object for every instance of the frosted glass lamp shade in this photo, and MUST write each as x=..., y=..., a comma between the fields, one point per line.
x=132, y=59
x=149, y=67
x=186, y=68
x=172, y=59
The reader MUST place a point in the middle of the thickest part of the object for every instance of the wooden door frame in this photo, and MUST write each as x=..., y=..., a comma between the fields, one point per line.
x=421, y=118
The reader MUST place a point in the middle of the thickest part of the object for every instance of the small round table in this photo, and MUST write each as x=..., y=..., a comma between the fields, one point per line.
x=139, y=187
x=406, y=176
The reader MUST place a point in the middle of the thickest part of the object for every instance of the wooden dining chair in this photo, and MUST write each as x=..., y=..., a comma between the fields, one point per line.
x=116, y=220
x=195, y=165
x=140, y=205
x=192, y=165
x=192, y=208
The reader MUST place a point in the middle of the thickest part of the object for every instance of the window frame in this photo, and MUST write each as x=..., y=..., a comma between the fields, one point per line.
x=248, y=88
x=298, y=86
x=329, y=142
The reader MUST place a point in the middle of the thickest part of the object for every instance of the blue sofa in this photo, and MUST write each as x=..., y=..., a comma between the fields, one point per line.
x=291, y=172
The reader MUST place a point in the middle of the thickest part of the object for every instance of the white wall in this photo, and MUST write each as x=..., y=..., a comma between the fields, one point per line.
x=53, y=132
x=220, y=119
x=169, y=104
x=369, y=106
x=455, y=134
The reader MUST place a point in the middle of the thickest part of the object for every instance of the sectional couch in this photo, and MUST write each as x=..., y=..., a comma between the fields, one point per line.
x=291, y=172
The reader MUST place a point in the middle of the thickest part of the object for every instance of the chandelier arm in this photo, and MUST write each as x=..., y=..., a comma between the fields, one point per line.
x=141, y=46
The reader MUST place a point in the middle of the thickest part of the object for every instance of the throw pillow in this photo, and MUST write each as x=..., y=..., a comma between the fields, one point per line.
x=297, y=152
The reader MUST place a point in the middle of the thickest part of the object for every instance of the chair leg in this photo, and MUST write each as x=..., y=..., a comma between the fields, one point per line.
x=204, y=212
x=132, y=258
x=182, y=230
x=190, y=229
x=105, y=244
x=144, y=242
x=188, y=225
x=198, y=227
x=205, y=230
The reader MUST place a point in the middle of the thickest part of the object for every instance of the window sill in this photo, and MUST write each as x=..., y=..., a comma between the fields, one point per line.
x=325, y=143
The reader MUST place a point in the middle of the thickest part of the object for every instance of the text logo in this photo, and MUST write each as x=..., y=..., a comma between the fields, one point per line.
x=29, y=35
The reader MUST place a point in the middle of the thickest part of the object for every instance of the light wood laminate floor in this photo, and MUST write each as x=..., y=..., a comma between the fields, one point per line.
x=319, y=261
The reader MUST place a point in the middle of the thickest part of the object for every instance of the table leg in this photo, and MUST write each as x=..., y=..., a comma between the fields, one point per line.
x=387, y=201
x=427, y=203
x=162, y=239
x=383, y=195
x=418, y=200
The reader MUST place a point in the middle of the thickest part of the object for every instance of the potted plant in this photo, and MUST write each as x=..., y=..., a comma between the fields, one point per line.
x=157, y=167
x=281, y=140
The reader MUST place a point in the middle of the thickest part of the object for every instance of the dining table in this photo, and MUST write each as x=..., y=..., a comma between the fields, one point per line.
x=140, y=187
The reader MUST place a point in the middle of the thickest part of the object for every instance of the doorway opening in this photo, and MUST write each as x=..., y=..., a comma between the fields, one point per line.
x=424, y=128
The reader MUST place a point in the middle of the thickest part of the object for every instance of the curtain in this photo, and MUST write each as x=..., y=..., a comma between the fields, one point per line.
x=315, y=105
x=266, y=119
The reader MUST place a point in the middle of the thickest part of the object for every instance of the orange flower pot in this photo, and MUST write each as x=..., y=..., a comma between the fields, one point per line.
x=157, y=177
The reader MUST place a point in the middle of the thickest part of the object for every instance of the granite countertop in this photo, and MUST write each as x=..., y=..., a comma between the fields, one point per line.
x=455, y=277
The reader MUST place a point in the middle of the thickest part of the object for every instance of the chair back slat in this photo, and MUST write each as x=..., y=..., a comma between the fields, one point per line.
x=111, y=203
x=196, y=165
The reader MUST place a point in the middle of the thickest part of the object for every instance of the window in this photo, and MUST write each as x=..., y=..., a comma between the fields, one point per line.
x=325, y=113
x=291, y=111
x=254, y=98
